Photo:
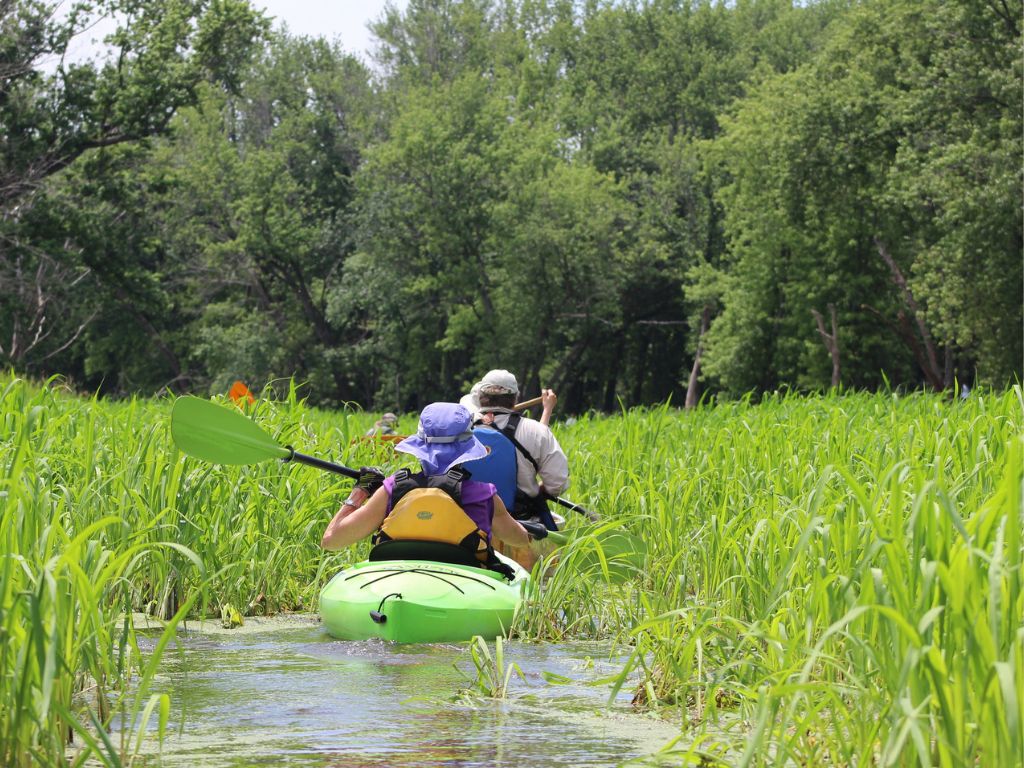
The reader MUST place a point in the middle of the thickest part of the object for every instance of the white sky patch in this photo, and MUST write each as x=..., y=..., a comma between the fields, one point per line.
x=342, y=20
x=87, y=44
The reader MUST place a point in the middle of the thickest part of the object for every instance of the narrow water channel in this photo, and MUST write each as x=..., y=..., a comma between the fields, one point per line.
x=285, y=693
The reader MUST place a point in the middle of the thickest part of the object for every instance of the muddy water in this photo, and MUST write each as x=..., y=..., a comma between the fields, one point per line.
x=285, y=693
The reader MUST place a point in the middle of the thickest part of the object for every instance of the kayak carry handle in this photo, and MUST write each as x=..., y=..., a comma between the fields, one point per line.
x=377, y=616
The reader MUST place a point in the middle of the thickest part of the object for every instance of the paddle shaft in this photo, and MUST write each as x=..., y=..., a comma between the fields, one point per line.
x=312, y=461
x=221, y=435
x=592, y=516
x=528, y=403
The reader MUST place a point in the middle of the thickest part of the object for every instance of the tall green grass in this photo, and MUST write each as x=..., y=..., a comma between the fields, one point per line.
x=831, y=580
x=99, y=517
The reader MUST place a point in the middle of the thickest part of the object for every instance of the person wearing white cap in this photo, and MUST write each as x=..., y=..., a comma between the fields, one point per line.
x=542, y=468
x=505, y=381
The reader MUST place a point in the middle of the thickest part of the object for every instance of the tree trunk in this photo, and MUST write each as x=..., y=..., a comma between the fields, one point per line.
x=181, y=379
x=641, y=371
x=693, y=386
x=611, y=382
x=926, y=356
x=566, y=366
x=324, y=333
x=831, y=341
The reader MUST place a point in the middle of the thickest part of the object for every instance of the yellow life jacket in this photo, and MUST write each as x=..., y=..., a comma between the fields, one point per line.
x=427, y=509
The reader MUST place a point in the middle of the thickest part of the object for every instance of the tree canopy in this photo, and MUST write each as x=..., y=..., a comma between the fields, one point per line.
x=627, y=201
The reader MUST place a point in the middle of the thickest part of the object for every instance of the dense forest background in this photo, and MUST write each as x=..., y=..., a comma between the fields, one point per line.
x=626, y=201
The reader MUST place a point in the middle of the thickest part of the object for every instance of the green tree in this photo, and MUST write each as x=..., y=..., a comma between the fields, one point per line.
x=482, y=243
x=50, y=120
x=559, y=273
x=425, y=201
x=878, y=179
x=157, y=56
x=262, y=186
x=435, y=39
x=645, y=114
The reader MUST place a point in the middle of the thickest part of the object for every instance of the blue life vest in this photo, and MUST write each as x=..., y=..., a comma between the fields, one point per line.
x=498, y=466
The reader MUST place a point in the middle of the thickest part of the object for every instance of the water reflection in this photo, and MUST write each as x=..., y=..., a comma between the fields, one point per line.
x=294, y=696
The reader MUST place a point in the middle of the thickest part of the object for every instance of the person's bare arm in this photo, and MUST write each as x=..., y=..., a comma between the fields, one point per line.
x=548, y=401
x=505, y=527
x=347, y=527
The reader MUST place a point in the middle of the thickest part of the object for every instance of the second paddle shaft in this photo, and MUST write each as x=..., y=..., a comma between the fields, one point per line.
x=528, y=403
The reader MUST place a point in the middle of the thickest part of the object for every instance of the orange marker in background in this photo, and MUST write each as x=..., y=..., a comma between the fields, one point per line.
x=238, y=391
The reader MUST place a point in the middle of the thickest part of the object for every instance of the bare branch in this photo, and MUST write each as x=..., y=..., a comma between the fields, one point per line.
x=34, y=293
x=610, y=324
x=72, y=340
x=585, y=316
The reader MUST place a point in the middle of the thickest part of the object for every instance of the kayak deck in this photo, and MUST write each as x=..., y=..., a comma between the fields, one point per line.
x=419, y=601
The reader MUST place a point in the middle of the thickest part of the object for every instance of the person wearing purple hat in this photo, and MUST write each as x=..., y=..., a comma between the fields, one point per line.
x=438, y=513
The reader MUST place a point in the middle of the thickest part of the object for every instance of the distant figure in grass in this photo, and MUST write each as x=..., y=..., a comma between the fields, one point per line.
x=438, y=513
x=385, y=425
x=541, y=468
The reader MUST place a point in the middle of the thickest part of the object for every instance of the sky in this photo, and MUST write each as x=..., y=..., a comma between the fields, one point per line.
x=345, y=20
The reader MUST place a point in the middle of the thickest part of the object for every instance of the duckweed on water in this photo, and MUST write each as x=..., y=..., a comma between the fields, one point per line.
x=826, y=580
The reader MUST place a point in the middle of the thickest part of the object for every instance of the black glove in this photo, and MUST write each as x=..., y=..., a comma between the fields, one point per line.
x=537, y=531
x=370, y=479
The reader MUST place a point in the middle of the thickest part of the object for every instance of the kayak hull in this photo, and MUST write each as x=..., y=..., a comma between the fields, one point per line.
x=419, y=601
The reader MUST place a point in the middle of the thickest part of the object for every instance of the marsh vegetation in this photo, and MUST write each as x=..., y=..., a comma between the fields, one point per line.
x=831, y=579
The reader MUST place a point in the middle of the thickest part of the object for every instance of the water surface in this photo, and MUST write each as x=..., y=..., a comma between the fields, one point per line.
x=285, y=693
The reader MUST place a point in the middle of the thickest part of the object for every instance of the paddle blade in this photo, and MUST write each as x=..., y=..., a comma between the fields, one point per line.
x=239, y=392
x=606, y=552
x=209, y=432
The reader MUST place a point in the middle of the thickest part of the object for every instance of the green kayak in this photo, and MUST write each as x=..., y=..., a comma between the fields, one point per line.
x=419, y=601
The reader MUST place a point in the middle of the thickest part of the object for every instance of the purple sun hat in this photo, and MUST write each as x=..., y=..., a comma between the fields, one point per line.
x=444, y=438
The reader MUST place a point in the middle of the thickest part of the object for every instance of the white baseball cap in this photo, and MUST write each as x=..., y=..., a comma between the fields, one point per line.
x=497, y=382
